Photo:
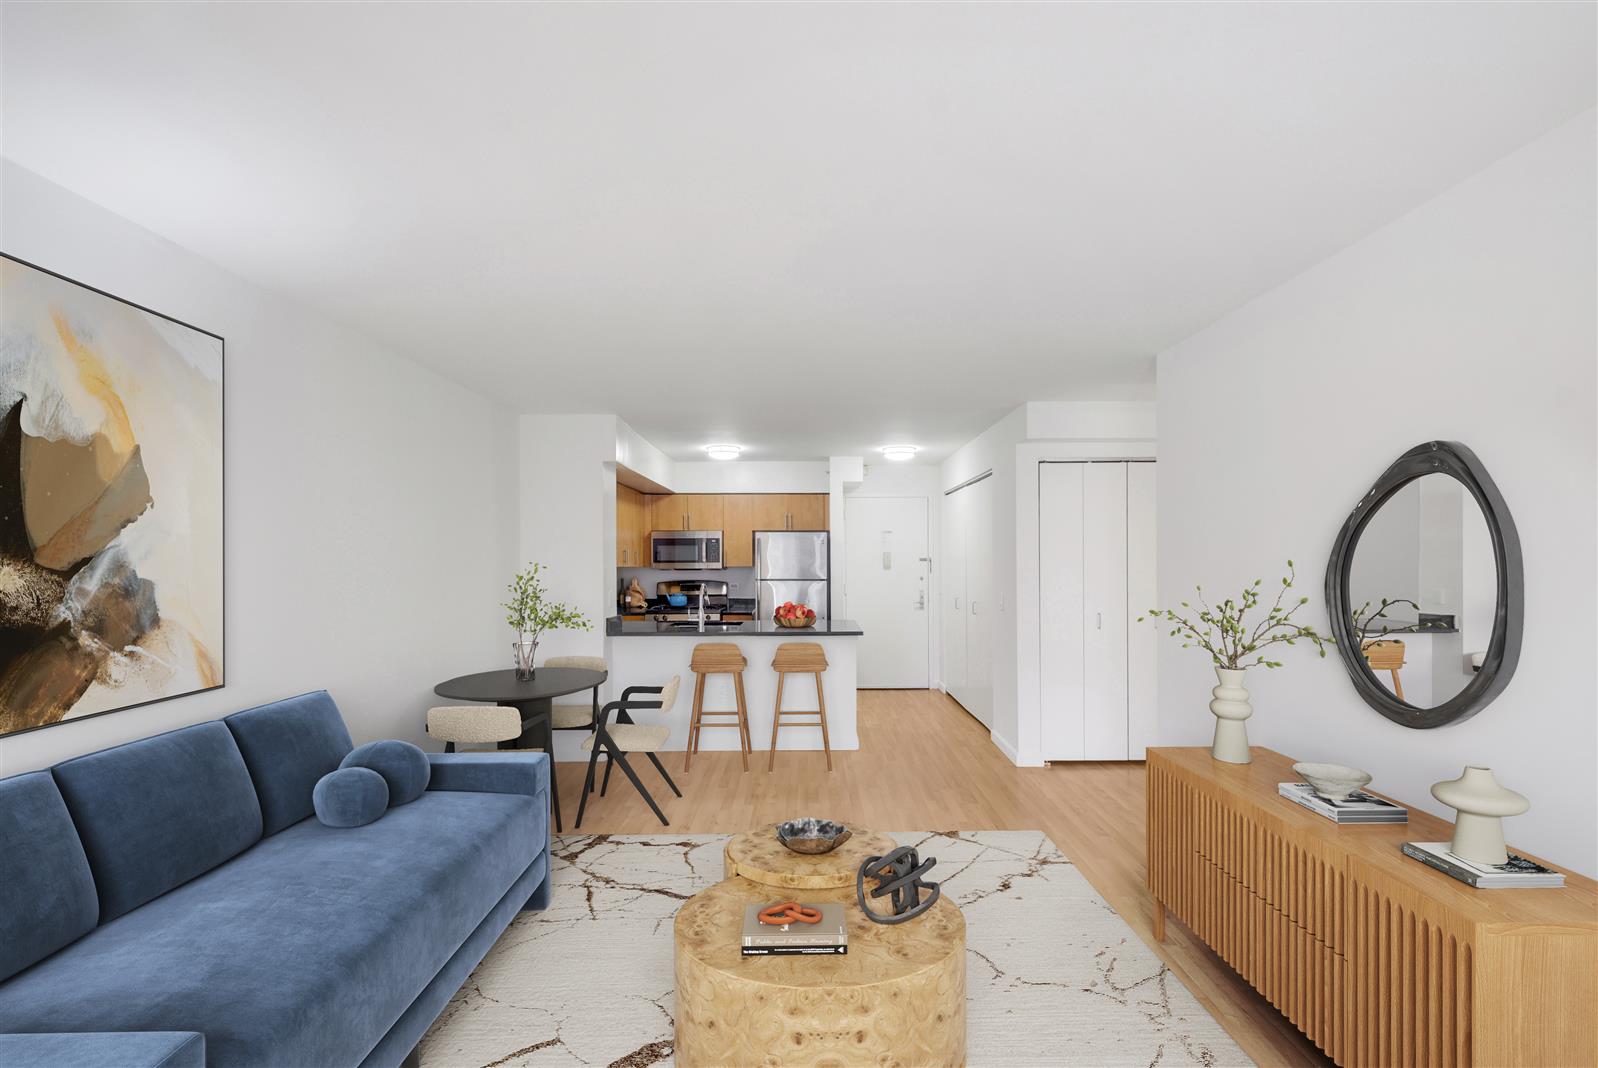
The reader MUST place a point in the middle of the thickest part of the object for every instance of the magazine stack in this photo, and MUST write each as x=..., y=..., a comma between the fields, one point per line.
x=1357, y=807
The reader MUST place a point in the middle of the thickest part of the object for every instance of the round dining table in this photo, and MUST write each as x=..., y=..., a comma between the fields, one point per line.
x=531, y=697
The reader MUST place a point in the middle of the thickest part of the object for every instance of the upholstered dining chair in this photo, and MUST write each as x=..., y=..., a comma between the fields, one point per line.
x=473, y=725
x=624, y=736
x=575, y=717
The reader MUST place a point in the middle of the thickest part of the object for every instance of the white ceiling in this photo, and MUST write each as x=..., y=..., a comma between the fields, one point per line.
x=809, y=229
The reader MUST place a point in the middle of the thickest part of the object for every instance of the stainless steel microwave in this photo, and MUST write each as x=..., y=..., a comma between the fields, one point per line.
x=686, y=550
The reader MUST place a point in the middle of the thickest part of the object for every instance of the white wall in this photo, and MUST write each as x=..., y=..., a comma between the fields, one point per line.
x=369, y=501
x=567, y=494
x=748, y=476
x=1471, y=319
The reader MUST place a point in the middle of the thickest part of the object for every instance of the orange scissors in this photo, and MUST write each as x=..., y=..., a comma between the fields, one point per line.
x=788, y=912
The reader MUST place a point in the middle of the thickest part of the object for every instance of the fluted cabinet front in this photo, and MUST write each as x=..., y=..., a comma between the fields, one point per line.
x=1373, y=970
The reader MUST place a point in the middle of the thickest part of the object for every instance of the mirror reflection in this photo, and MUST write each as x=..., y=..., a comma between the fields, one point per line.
x=1422, y=588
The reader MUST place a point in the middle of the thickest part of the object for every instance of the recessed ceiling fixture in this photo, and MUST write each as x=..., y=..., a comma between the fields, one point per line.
x=724, y=452
x=899, y=453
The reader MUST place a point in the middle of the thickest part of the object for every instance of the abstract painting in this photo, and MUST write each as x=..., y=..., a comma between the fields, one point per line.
x=110, y=503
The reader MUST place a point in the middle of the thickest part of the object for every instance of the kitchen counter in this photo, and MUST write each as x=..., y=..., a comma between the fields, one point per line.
x=758, y=628
x=667, y=652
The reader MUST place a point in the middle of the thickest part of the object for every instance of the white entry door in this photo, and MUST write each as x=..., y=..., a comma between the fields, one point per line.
x=888, y=589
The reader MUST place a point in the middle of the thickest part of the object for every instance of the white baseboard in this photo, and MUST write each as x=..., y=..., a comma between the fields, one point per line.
x=1006, y=747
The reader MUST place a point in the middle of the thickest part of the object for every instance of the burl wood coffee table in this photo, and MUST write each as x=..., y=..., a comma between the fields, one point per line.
x=896, y=998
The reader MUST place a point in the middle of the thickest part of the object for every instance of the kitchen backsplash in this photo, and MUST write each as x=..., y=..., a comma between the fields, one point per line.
x=740, y=580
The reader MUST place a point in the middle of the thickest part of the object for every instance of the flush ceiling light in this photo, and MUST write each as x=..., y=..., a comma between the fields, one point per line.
x=899, y=453
x=724, y=452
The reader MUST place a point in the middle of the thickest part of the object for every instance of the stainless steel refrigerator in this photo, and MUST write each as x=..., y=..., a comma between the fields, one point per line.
x=792, y=565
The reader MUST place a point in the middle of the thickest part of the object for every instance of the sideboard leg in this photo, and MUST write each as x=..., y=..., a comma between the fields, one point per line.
x=1159, y=920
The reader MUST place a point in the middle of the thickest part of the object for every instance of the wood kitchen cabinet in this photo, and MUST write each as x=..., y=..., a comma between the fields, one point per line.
x=806, y=511
x=736, y=515
x=632, y=528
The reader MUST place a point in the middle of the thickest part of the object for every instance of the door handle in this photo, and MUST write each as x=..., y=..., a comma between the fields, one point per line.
x=921, y=602
x=957, y=604
x=973, y=608
x=1100, y=616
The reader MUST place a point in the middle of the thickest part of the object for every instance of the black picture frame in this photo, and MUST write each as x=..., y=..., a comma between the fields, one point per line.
x=222, y=464
x=1503, y=652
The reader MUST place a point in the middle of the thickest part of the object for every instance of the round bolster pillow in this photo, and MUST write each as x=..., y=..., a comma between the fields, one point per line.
x=403, y=766
x=350, y=797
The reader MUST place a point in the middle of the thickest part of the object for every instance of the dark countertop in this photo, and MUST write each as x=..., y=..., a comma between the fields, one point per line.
x=759, y=628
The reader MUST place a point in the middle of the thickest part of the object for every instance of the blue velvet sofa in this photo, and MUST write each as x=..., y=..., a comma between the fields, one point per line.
x=175, y=902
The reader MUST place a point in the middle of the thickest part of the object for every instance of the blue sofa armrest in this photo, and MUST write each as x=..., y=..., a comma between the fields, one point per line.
x=490, y=772
x=104, y=1049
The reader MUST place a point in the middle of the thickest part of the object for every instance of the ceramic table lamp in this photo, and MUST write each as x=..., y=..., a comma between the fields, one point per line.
x=1481, y=805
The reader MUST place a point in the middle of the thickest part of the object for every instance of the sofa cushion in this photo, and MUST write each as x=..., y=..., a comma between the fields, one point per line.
x=47, y=896
x=305, y=949
x=155, y=813
x=403, y=766
x=288, y=745
x=105, y=1049
x=350, y=797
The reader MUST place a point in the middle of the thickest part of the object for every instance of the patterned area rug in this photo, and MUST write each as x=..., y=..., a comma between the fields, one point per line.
x=1053, y=976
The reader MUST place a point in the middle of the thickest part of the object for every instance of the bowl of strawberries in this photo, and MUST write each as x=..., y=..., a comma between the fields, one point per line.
x=789, y=614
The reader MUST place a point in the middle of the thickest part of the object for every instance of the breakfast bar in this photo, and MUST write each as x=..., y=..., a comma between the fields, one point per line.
x=649, y=652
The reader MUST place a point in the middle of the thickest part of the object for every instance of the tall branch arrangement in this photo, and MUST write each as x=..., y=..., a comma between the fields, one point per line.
x=1224, y=632
x=530, y=612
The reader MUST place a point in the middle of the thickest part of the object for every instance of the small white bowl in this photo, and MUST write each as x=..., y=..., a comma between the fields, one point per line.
x=1333, y=781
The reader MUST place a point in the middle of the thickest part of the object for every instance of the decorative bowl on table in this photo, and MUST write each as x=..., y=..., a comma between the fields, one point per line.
x=811, y=835
x=1333, y=781
x=789, y=614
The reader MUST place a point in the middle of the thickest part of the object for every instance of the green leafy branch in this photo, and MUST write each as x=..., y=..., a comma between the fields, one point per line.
x=529, y=611
x=1223, y=631
x=1368, y=626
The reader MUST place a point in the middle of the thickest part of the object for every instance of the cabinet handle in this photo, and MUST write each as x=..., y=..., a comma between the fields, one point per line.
x=957, y=604
x=1100, y=616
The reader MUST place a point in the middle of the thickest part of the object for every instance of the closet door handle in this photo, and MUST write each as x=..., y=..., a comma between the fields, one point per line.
x=957, y=604
x=1100, y=616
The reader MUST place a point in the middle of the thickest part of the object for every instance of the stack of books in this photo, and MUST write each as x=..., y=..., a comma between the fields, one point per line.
x=1518, y=872
x=830, y=936
x=1357, y=807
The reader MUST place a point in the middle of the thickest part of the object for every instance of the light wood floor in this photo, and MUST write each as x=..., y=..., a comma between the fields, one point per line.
x=925, y=764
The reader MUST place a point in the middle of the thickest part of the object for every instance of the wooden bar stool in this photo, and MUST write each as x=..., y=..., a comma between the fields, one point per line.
x=718, y=658
x=800, y=658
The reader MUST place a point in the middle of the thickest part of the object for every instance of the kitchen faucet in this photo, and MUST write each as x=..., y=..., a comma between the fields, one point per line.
x=701, y=609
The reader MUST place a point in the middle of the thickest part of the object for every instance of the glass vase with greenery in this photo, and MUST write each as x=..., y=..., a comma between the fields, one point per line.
x=530, y=613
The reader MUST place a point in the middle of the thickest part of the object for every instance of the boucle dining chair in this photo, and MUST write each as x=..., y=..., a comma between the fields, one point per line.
x=575, y=717
x=618, y=739
x=473, y=725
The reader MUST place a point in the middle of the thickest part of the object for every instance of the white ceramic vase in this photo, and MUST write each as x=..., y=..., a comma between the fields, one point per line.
x=1231, y=708
x=1481, y=805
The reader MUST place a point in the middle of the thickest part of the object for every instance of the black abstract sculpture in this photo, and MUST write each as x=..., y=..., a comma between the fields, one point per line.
x=898, y=875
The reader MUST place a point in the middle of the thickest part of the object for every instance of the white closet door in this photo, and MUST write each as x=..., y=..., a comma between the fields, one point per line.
x=1142, y=638
x=1104, y=688
x=981, y=599
x=1060, y=636
x=953, y=670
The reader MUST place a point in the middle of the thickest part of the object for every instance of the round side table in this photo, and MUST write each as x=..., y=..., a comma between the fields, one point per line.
x=897, y=996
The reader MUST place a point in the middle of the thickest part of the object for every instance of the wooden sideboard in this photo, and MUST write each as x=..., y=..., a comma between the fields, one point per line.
x=1379, y=959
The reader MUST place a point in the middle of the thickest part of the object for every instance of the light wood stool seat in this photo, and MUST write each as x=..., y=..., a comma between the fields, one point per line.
x=800, y=658
x=718, y=658
x=1386, y=654
x=473, y=724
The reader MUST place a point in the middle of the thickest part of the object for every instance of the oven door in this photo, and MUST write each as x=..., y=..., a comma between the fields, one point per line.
x=686, y=550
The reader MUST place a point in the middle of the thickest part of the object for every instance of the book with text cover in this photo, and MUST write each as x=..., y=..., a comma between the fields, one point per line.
x=1517, y=872
x=830, y=935
x=1357, y=807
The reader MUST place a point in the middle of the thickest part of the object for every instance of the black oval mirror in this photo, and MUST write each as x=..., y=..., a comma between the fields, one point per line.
x=1425, y=590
